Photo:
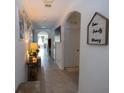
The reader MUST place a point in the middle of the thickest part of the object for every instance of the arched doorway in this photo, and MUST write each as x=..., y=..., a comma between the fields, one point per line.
x=42, y=42
x=72, y=40
x=71, y=47
x=43, y=39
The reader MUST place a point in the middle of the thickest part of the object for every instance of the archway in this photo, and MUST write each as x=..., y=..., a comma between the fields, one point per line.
x=72, y=40
x=71, y=48
x=43, y=39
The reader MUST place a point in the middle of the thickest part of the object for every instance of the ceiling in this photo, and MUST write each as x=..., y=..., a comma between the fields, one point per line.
x=46, y=17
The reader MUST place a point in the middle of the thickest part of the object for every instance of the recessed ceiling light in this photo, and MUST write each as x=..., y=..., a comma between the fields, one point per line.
x=43, y=26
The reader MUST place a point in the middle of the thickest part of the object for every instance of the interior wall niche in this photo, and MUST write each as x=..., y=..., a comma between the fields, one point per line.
x=58, y=34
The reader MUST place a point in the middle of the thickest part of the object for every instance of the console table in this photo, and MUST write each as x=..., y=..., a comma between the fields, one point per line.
x=32, y=71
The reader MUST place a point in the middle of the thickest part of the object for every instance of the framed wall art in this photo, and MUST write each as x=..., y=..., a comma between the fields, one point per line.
x=28, y=23
x=97, y=30
x=21, y=25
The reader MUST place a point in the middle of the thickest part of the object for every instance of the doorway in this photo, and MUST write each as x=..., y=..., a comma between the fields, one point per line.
x=72, y=44
x=43, y=39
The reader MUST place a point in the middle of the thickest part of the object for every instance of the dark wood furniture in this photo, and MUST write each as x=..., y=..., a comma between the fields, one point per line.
x=33, y=68
x=32, y=71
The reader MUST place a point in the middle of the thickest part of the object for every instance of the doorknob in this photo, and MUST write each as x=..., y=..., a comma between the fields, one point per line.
x=77, y=50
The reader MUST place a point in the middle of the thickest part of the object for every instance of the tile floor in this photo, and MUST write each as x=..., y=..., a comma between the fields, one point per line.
x=56, y=80
x=51, y=79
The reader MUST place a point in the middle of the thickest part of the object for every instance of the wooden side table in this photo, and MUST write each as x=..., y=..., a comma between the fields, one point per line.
x=32, y=71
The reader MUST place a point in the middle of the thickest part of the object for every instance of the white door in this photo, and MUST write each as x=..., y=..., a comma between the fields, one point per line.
x=74, y=43
x=72, y=40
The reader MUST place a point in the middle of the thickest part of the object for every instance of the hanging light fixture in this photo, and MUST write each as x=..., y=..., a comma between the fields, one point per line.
x=48, y=3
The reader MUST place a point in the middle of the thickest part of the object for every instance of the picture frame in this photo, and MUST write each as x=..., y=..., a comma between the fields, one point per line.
x=97, y=30
x=21, y=25
x=28, y=23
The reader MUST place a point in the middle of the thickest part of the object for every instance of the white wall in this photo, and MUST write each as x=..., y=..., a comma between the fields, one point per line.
x=94, y=60
x=58, y=57
x=20, y=73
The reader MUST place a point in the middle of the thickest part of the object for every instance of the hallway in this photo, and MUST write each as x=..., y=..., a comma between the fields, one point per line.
x=75, y=32
x=56, y=80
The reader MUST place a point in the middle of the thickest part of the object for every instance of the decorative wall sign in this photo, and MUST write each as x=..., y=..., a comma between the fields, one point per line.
x=97, y=33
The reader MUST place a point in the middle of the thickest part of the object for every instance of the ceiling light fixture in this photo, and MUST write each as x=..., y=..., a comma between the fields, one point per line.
x=48, y=3
x=43, y=26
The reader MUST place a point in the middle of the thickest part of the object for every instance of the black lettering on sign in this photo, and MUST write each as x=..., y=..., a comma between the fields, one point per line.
x=96, y=40
x=94, y=24
x=99, y=31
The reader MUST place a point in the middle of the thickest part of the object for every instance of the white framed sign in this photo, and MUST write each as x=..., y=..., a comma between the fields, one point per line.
x=97, y=33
